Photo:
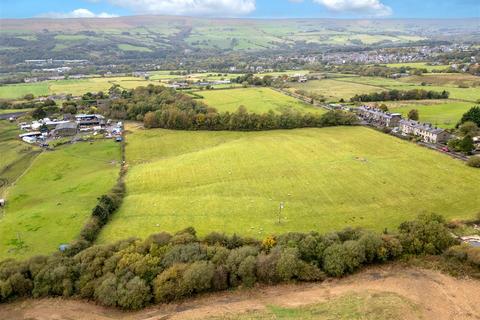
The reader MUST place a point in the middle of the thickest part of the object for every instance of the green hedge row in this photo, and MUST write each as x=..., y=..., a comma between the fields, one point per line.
x=132, y=273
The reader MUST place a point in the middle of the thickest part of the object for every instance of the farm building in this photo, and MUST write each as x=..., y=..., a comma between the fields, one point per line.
x=426, y=131
x=66, y=129
x=378, y=117
x=89, y=119
x=54, y=124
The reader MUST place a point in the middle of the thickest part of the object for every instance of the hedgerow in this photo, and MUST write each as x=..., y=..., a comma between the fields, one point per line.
x=132, y=273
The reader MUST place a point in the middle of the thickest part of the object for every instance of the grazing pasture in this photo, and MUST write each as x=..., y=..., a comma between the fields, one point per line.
x=439, y=113
x=50, y=202
x=435, y=82
x=334, y=90
x=328, y=178
x=14, y=91
x=129, y=47
x=419, y=65
x=258, y=100
x=445, y=79
x=15, y=157
x=73, y=86
x=8, y=111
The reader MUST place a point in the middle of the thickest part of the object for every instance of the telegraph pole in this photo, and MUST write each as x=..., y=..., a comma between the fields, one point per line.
x=280, y=208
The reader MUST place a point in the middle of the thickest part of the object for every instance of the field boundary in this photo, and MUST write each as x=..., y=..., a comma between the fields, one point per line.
x=106, y=206
x=302, y=98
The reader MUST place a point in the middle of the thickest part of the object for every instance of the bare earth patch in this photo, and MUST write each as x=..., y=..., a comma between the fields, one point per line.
x=436, y=295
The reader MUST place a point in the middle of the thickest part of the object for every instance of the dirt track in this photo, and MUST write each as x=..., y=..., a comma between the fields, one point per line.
x=438, y=296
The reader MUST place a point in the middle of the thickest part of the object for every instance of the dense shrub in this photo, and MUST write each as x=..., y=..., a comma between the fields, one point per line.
x=167, y=286
x=198, y=277
x=465, y=253
x=133, y=294
x=474, y=162
x=107, y=204
x=471, y=115
x=334, y=260
x=132, y=273
x=425, y=235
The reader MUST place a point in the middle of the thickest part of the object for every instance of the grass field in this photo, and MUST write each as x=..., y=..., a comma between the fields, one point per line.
x=258, y=100
x=7, y=111
x=50, y=202
x=334, y=90
x=13, y=91
x=15, y=157
x=420, y=65
x=438, y=113
x=435, y=82
x=75, y=87
x=328, y=178
x=129, y=47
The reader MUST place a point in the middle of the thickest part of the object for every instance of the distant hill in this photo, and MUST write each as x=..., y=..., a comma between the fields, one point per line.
x=136, y=37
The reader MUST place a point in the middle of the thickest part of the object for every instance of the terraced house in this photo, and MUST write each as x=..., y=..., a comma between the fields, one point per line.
x=426, y=131
x=378, y=117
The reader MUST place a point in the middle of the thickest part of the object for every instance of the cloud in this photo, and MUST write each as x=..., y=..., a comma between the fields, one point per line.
x=369, y=7
x=77, y=13
x=189, y=7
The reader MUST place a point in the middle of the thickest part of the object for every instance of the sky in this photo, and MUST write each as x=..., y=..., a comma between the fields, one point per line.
x=243, y=8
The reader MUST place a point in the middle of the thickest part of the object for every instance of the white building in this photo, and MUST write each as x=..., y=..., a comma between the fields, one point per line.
x=426, y=131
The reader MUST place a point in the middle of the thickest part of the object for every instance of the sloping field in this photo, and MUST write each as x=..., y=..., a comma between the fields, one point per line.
x=420, y=65
x=448, y=79
x=258, y=100
x=15, y=156
x=334, y=90
x=48, y=205
x=328, y=178
x=435, y=82
x=14, y=91
x=75, y=87
x=441, y=114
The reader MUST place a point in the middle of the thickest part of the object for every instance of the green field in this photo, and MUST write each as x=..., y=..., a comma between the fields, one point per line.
x=419, y=65
x=334, y=90
x=441, y=114
x=15, y=157
x=7, y=111
x=74, y=86
x=328, y=178
x=435, y=82
x=129, y=47
x=14, y=91
x=51, y=201
x=258, y=100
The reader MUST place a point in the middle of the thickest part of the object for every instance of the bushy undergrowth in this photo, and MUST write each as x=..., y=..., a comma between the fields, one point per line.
x=107, y=204
x=132, y=273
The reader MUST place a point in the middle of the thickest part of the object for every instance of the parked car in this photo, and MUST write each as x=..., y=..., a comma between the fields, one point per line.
x=118, y=139
x=445, y=149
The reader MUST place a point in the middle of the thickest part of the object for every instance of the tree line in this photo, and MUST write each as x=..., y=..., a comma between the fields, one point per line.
x=396, y=95
x=160, y=107
x=165, y=267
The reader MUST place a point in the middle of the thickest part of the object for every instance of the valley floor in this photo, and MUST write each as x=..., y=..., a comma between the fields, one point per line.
x=387, y=292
